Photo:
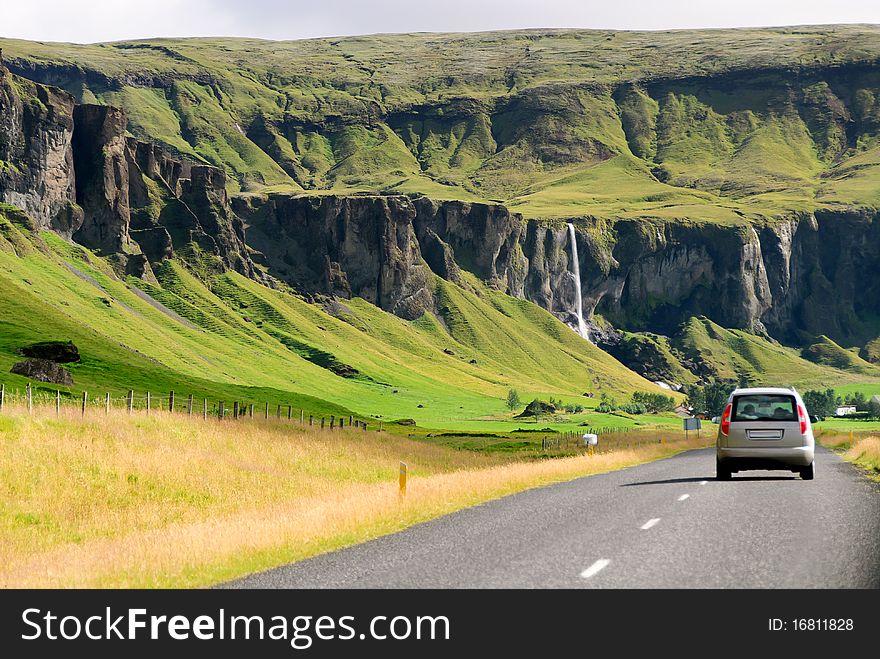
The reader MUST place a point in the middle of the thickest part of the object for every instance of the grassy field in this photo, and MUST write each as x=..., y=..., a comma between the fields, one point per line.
x=712, y=125
x=845, y=425
x=161, y=500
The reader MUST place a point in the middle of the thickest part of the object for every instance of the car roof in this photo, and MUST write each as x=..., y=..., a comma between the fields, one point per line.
x=764, y=390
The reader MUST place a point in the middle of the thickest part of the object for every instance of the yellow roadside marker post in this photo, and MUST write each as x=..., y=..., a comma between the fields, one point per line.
x=402, y=479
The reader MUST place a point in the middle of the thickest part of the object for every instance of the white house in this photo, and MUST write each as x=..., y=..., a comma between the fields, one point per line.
x=844, y=410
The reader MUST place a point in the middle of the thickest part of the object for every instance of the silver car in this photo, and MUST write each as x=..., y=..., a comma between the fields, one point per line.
x=765, y=428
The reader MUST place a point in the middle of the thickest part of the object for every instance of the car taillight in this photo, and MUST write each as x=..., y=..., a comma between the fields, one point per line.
x=802, y=417
x=725, y=420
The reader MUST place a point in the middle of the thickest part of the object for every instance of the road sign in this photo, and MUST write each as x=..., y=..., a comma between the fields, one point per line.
x=692, y=424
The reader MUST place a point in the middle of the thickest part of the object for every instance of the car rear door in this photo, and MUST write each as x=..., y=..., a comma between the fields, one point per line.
x=764, y=420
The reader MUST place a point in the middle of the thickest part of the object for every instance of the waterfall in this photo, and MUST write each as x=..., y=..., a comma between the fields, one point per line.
x=576, y=273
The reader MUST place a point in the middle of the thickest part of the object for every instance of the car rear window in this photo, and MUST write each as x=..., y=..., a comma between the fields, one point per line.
x=764, y=407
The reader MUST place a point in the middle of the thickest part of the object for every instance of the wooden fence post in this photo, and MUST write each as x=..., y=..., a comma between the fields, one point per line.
x=322, y=423
x=235, y=410
x=204, y=409
x=289, y=412
x=302, y=416
x=57, y=402
x=2, y=396
x=189, y=405
x=107, y=404
x=85, y=399
x=278, y=412
x=311, y=420
x=221, y=411
x=350, y=419
x=251, y=411
x=30, y=399
x=148, y=403
x=267, y=410
x=332, y=421
x=130, y=400
x=170, y=401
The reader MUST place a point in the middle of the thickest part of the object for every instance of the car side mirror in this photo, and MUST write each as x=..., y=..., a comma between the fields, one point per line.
x=814, y=419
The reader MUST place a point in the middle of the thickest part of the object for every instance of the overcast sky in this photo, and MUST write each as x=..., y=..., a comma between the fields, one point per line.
x=107, y=20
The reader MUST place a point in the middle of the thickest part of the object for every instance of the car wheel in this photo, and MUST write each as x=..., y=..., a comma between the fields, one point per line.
x=807, y=473
x=722, y=472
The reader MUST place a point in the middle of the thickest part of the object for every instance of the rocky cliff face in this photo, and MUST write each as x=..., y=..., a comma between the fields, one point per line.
x=36, y=153
x=809, y=274
x=102, y=185
x=352, y=246
x=74, y=170
x=806, y=275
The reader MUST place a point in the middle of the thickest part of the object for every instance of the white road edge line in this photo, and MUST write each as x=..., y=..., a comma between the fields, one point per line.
x=595, y=568
x=703, y=482
x=683, y=497
x=650, y=523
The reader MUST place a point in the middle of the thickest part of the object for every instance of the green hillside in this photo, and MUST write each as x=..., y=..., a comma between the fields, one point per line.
x=703, y=350
x=714, y=125
x=827, y=352
x=230, y=338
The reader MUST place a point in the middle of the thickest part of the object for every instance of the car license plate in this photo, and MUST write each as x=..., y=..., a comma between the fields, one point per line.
x=764, y=434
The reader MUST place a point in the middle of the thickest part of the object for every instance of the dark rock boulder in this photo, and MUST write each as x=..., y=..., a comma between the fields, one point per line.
x=60, y=352
x=43, y=370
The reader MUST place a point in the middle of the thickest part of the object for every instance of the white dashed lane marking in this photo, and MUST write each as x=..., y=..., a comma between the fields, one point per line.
x=683, y=497
x=650, y=523
x=595, y=568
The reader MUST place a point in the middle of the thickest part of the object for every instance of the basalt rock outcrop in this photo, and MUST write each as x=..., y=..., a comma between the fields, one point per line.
x=74, y=170
x=36, y=153
x=352, y=246
x=799, y=276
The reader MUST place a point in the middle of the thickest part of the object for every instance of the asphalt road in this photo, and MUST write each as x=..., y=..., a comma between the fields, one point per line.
x=666, y=524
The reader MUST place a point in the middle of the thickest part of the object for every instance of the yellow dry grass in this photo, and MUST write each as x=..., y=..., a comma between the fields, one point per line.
x=166, y=501
x=860, y=449
x=866, y=452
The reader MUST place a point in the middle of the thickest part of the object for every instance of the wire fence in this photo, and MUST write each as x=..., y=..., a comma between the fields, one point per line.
x=614, y=439
x=43, y=401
